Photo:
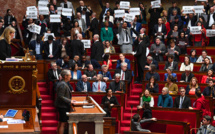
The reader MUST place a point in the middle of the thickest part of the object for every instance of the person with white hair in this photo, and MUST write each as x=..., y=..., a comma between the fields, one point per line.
x=54, y=72
x=117, y=85
x=150, y=61
x=187, y=75
x=124, y=72
x=165, y=100
x=99, y=86
x=97, y=49
x=105, y=73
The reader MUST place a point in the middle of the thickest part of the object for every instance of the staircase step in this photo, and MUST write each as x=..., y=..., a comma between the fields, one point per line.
x=49, y=116
x=49, y=130
x=134, y=97
x=122, y=129
x=47, y=103
x=127, y=116
x=134, y=103
x=46, y=97
x=49, y=123
x=41, y=84
x=48, y=109
x=43, y=91
x=128, y=110
x=125, y=123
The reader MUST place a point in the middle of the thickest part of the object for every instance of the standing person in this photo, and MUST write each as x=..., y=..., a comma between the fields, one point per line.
x=77, y=47
x=94, y=25
x=5, y=41
x=51, y=48
x=182, y=101
x=141, y=58
x=104, y=10
x=159, y=30
x=67, y=4
x=64, y=100
x=9, y=18
x=37, y=47
x=158, y=50
x=97, y=49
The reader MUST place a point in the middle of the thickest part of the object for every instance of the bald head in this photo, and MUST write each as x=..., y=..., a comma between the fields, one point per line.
x=79, y=36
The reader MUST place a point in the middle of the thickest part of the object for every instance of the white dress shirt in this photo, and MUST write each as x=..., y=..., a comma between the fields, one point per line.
x=55, y=74
x=211, y=20
x=85, y=86
x=126, y=41
x=50, y=49
x=37, y=49
x=80, y=24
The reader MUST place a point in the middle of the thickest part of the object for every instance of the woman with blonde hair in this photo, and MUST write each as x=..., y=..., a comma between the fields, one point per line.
x=192, y=87
x=146, y=97
x=5, y=41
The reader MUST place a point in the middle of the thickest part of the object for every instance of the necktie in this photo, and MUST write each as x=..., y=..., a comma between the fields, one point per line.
x=205, y=131
x=99, y=88
x=126, y=32
x=123, y=76
x=181, y=103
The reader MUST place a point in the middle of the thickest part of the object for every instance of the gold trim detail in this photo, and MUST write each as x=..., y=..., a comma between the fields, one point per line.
x=16, y=85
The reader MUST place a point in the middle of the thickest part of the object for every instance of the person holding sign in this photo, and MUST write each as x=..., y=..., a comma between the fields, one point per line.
x=189, y=19
x=67, y=4
x=143, y=13
x=104, y=10
x=212, y=39
x=159, y=30
x=51, y=48
x=174, y=7
x=211, y=17
x=199, y=39
x=182, y=42
x=205, y=4
x=173, y=50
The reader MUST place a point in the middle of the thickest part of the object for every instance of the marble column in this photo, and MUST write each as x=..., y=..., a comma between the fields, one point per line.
x=99, y=127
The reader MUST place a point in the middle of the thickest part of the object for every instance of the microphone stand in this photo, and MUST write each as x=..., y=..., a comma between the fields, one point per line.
x=131, y=116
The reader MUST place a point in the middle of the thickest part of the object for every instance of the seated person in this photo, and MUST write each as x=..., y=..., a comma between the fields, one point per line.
x=150, y=61
x=147, y=113
x=206, y=123
x=206, y=65
x=90, y=72
x=83, y=63
x=99, y=86
x=108, y=61
x=169, y=71
x=171, y=63
x=209, y=88
x=108, y=101
x=94, y=62
x=121, y=60
x=158, y=50
x=186, y=63
x=124, y=72
x=152, y=86
x=146, y=97
x=192, y=87
x=54, y=72
x=106, y=74
x=63, y=63
x=117, y=85
x=193, y=56
x=182, y=101
x=203, y=56
x=165, y=100
x=187, y=75
x=173, y=50
x=136, y=123
x=83, y=85
x=171, y=85
x=152, y=72
x=76, y=74
x=109, y=48
x=74, y=60
x=210, y=75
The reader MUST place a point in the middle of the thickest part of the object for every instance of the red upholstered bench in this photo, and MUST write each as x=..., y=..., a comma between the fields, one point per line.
x=198, y=50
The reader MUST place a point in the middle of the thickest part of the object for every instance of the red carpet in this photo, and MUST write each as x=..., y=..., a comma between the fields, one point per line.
x=49, y=115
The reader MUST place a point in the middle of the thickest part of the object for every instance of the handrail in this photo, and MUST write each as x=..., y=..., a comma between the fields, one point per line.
x=74, y=128
x=38, y=101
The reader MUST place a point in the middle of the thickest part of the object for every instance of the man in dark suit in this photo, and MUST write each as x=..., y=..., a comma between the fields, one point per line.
x=94, y=25
x=51, y=48
x=77, y=47
x=211, y=17
x=125, y=74
x=81, y=7
x=209, y=88
x=187, y=75
x=171, y=63
x=94, y=62
x=90, y=72
x=141, y=58
x=104, y=10
x=97, y=49
x=117, y=85
x=150, y=61
x=174, y=7
x=83, y=63
x=53, y=73
x=159, y=30
x=64, y=63
x=64, y=100
x=105, y=73
x=37, y=47
x=86, y=13
x=182, y=101
x=137, y=26
x=190, y=19
x=83, y=85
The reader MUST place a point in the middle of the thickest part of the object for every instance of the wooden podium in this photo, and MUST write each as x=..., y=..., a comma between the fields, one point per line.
x=18, y=90
x=88, y=120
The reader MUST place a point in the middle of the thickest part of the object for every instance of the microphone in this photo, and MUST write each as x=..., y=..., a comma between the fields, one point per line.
x=131, y=116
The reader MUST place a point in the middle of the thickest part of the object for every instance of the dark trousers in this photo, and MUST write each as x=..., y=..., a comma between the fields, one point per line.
x=140, y=73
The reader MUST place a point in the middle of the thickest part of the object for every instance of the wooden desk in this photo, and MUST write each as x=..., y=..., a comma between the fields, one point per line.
x=92, y=118
x=137, y=132
x=30, y=127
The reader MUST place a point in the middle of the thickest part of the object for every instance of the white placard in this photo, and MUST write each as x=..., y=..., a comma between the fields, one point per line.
x=31, y=14
x=210, y=32
x=196, y=30
x=156, y=4
x=187, y=9
x=66, y=12
x=124, y=4
x=59, y=10
x=201, y=0
x=55, y=18
x=46, y=35
x=44, y=0
x=135, y=11
x=34, y=28
x=31, y=8
x=43, y=11
x=198, y=9
x=119, y=13
x=129, y=17
x=43, y=3
x=87, y=43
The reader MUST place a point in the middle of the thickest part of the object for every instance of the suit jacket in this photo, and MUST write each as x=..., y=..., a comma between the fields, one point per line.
x=163, y=30
x=115, y=88
x=80, y=64
x=208, y=131
x=158, y=56
x=90, y=73
x=5, y=51
x=193, y=20
x=102, y=86
x=64, y=65
x=95, y=64
x=122, y=35
x=204, y=68
x=108, y=74
x=64, y=96
x=103, y=10
x=153, y=62
x=207, y=91
x=136, y=126
x=171, y=9
x=32, y=46
x=87, y=17
x=79, y=9
x=94, y=26
x=209, y=19
x=145, y=40
x=69, y=5
x=138, y=27
x=183, y=77
x=186, y=103
x=106, y=35
x=6, y=22
x=78, y=75
x=80, y=86
x=97, y=51
x=51, y=75
x=54, y=49
x=77, y=48
x=175, y=65
x=141, y=55
x=118, y=65
x=83, y=25
x=67, y=47
x=176, y=57
x=128, y=75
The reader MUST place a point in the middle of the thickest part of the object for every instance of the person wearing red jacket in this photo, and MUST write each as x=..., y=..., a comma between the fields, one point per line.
x=199, y=39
